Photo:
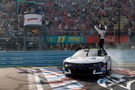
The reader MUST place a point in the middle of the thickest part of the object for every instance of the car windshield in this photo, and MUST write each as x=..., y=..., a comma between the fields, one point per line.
x=83, y=53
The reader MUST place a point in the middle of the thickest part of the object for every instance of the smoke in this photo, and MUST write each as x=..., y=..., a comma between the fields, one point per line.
x=121, y=55
x=117, y=57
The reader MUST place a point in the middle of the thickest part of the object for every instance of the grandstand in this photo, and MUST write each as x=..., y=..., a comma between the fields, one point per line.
x=64, y=18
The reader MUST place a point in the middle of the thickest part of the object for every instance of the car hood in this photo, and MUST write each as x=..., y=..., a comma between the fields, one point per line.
x=85, y=59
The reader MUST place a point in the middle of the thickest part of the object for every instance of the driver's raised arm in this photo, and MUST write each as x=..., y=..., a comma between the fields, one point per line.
x=105, y=28
x=96, y=28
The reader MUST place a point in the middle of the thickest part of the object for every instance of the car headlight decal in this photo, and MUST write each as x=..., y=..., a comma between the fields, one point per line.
x=66, y=65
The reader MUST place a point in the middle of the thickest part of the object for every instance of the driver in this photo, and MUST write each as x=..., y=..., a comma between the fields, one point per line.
x=101, y=29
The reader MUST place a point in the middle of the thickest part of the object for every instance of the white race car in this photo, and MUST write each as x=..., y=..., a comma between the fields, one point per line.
x=88, y=62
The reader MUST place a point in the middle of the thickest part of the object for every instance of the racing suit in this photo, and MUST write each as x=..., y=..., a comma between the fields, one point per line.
x=101, y=36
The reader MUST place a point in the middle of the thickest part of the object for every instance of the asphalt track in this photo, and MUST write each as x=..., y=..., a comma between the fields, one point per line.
x=52, y=78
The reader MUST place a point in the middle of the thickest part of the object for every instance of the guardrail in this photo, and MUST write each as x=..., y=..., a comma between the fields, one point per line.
x=54, y=57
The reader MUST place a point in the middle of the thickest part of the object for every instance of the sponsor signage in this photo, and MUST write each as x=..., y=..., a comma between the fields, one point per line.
x=66, y=39
x=32, y=19
x=87, y=39
x=124, y=38
x=92, y=39
x=108, y=39
x=112, y=39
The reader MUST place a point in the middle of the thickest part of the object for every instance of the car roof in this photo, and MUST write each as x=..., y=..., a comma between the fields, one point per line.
x=88, y=49
x=92, y=51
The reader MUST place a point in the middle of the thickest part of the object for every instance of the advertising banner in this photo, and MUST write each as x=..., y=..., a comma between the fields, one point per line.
x=66, y=39
x=108, y=39
x=111, y=39
x=87, y=39
x=92, y=39
x=116, y=39
x=124, y=38
x=32, y=19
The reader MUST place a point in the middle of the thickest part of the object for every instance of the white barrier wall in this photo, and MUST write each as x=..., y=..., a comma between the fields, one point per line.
x=32, y=19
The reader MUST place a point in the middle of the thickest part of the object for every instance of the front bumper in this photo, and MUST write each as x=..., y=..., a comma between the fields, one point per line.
x=85, y=69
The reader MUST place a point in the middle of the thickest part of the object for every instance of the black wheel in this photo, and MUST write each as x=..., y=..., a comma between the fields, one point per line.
x=108, y=72
x=106, y=69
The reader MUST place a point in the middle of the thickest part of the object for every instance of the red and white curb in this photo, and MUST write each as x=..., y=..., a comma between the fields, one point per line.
x=59, y=81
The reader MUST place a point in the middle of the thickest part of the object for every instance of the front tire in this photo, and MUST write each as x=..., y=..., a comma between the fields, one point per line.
x=109, y=71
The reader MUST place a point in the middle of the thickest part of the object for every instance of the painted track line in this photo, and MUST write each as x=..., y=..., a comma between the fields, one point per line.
x=31, y=82
x=38, y=83
x=34, y=81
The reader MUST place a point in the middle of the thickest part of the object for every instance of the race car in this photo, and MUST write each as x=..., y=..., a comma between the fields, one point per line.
x=88, y=62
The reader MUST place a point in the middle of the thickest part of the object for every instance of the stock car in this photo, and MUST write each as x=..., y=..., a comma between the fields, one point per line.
x=88, y=62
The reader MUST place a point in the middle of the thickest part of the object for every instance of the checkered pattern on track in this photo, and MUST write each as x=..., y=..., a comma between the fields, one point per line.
x=59, y=81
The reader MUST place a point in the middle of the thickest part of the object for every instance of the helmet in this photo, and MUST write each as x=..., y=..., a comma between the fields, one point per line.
x=101, y=26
